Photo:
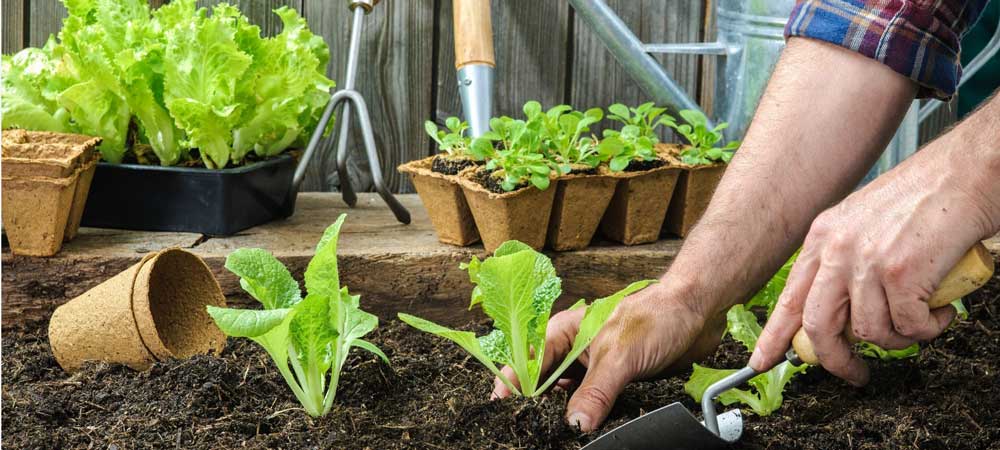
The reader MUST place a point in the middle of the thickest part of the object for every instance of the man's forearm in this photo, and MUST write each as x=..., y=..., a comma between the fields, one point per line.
x=826, y=116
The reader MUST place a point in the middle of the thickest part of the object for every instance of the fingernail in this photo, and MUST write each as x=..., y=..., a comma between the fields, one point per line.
x=755, y=359
x=580, y=421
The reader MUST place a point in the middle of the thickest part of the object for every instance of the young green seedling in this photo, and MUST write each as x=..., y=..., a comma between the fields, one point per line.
x=646, y=117
x=308, y=339
x=516, y=287
x=742, y=325
x=621, y=148
x=702, y=139
x=520, y=159
x=453, y=142
x=564, y=140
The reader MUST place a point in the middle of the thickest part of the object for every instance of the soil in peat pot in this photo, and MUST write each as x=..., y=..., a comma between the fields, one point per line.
x=436, y=397
x=639, y=165
x=451, y=166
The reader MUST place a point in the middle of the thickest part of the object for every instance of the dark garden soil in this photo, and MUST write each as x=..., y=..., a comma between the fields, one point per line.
x=639, y=165
x=435, y=397
x=450, y=166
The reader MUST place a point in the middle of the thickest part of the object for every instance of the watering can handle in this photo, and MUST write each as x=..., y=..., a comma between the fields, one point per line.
x=971, y=273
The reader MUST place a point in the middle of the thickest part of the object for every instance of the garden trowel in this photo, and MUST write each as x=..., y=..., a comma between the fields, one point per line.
x=674, y=427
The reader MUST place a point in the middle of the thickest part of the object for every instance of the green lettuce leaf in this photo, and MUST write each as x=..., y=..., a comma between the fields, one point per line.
x=308, y=339
x=516, y=287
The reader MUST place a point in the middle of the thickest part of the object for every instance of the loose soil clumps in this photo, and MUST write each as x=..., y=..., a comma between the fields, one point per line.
x=436, y=396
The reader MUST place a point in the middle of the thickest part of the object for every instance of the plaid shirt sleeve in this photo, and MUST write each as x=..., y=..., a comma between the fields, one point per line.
x=920, y=39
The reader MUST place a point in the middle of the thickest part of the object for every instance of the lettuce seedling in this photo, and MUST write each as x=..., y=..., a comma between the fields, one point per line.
x=742, y=325
x=519, y=159
x=702, y=140
x=564, y=139
x=516, y=287
x=308, y=339
x=766, y=394
x=454, y=142
x=646, y=117
x=621, y=148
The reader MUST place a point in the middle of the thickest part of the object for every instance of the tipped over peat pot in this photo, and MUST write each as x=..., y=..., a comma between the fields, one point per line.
x=152, y=311
x=691, y=196
x=442, y=196
x=639, y=205
x=580, y=202
x=216, y=202
x=522, y=214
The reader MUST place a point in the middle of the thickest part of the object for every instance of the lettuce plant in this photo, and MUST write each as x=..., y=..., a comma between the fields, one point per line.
x=646, y=117
x=516, y=287
x=187, y=80
x=741, y=323
x=454, y=142
x=702, y=150
x=519, y=158
x=308, y=339
x=621, y=148
x=564, y=138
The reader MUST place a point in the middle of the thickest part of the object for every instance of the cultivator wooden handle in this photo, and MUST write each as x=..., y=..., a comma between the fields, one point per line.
x=971, y=272
x=473, y=33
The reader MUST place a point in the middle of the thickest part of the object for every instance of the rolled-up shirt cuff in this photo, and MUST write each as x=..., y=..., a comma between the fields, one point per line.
x=910, y=39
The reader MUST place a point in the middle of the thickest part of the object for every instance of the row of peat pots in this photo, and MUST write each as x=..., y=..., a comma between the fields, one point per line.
x=46, y=180
x=633, y=206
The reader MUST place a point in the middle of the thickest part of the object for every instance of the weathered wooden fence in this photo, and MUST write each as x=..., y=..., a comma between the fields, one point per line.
x=407, y=73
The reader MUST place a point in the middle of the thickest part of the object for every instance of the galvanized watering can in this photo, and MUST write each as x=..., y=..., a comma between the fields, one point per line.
x=750, y=39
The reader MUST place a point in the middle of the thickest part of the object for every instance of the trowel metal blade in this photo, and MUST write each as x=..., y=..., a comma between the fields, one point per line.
x=670, y=427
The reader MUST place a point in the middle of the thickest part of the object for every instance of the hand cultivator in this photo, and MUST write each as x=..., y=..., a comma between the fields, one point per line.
x=346, y=97
x=673, y=426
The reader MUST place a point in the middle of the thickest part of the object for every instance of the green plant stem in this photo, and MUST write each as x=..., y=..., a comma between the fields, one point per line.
x=312, y=402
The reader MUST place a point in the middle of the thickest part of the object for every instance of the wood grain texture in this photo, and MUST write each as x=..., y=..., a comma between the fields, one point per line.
x=395, y=74
x=13, y=25
x=394, y=267
x=530, y=42
x=44, y=19
x=598, y=79
x=474, y=37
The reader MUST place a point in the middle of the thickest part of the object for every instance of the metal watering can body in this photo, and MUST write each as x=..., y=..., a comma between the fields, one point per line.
x=749, y=41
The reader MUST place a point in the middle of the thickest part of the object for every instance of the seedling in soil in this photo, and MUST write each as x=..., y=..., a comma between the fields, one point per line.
x=626, y=148
x=702, y=139
x=453, y=142
x=564, y=138
x=519, y=159
x=743, y=326
x=307, y=338
x=516, y=287
x=646, y=117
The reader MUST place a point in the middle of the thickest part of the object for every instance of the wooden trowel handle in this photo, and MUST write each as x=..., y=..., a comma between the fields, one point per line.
x=971, y=272
x=473, y=33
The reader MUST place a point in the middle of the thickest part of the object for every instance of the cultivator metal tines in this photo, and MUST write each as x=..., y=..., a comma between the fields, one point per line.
x=346, y=97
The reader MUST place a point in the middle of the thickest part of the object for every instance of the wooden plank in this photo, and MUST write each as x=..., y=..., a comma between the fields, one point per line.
x=530, y=42
x=395, y=267
x=598, y=80
x=706, y=87
x=395, y=71
x=259, y=12
x=13, y=25
x=45, y=19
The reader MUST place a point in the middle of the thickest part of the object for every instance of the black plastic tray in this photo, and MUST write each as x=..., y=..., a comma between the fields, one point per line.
x=197, y=200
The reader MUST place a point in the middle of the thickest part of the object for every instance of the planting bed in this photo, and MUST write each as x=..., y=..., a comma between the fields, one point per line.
x=435, y=396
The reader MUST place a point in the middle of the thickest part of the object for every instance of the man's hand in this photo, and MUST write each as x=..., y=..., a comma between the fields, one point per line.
x=650, y=333
x=869, y=264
